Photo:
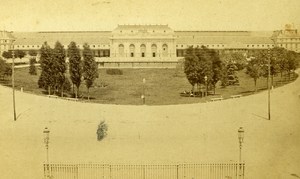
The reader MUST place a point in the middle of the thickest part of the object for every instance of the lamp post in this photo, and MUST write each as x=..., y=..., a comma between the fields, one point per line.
x=205, y=78
x=46, y=141
x=13, y=84
x=241, y=140
x=143, y=95
x=269, y=74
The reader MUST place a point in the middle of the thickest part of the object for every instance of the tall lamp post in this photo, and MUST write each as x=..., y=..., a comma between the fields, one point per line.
x=13, y=84
x=46, y=141
x=205, y=78
x=269, y=81
x=241, y=140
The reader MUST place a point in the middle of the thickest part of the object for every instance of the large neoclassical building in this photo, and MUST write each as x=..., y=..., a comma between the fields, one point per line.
x=152, y=42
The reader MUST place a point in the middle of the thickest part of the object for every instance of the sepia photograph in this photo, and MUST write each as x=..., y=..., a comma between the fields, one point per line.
x=124, y=89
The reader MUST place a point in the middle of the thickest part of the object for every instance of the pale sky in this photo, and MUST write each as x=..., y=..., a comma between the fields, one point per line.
x=97, y=15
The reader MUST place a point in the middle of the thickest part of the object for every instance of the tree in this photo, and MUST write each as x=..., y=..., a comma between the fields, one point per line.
x=198, y=64
x=237, y=58
x=32, y=69
x=292, y=62
x=32, y=53
x=5, y=69
x=19, y=54
x=7, y=54
x=216, y=68
x=75, y=66
x=59, y=66
x=231, y=73
x=191, y=65
x=47, y=77
x=280, y=55
x=255, y=68
x=90, y=70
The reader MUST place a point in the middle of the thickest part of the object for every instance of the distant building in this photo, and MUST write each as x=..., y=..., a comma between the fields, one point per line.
x=153, y=42
x=288, y=38
x=6, y=40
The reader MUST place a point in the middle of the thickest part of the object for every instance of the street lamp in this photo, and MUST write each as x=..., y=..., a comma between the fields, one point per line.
x=269, y=81
x=46, y=141
x=205, y=78
x=241, y=140
x=13, y=84
x=143, y=95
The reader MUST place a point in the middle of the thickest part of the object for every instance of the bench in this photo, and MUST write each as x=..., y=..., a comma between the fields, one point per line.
x=72, y=99
x=236, y=96
x=52, y=96
x=216, y=99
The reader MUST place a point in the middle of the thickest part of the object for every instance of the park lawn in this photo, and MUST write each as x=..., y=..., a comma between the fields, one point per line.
x=162, y=87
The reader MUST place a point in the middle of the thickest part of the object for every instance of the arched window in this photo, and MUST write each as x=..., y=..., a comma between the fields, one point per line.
x=121, y=50
x=153, y=50
x=131, y=50
x=165, y=50
x=143, y=50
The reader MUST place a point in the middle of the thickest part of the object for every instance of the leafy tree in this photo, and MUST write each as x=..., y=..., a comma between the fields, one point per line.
x=90, y=70
x=7, y=54
x=67, y=85
x=281, y=59
x=224, y=76
x=274, y=68
x=32, y=69
x=32, y=53
x=59, y=66
x=75, y=66
x=191, y=65
x=255, y=68
x=5, y=69
x=237, y=58
x=201, y=62
x=216, y=68
x=292, y=62
x=19, y=54
x=231, y=73
x=47, y=77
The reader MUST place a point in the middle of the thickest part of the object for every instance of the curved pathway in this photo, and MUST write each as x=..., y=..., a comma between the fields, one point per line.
x=192, y=133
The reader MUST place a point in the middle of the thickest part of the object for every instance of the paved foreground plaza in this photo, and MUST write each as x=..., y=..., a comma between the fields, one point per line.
x=191, y=133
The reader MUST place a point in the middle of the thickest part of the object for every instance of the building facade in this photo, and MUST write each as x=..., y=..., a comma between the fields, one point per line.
x=288, y=38
x=6, y=41
x=152, y=42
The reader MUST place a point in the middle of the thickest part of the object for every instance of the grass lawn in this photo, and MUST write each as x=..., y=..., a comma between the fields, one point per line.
x=162, y=87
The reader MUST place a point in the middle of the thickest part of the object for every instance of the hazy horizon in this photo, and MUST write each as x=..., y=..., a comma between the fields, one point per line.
x=191, y=15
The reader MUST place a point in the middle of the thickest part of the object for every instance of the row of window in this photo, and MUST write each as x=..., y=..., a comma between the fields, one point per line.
x=38, y=46
x=142, y=30
x=224, y=45
x=260, y=45
x=289, y=40
x=200, y=45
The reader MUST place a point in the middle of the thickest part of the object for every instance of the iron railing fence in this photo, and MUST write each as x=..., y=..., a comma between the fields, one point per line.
x=145, y=171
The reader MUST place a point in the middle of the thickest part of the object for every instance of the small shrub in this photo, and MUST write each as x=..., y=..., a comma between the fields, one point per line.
x=101, y=131
x=114, y=72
